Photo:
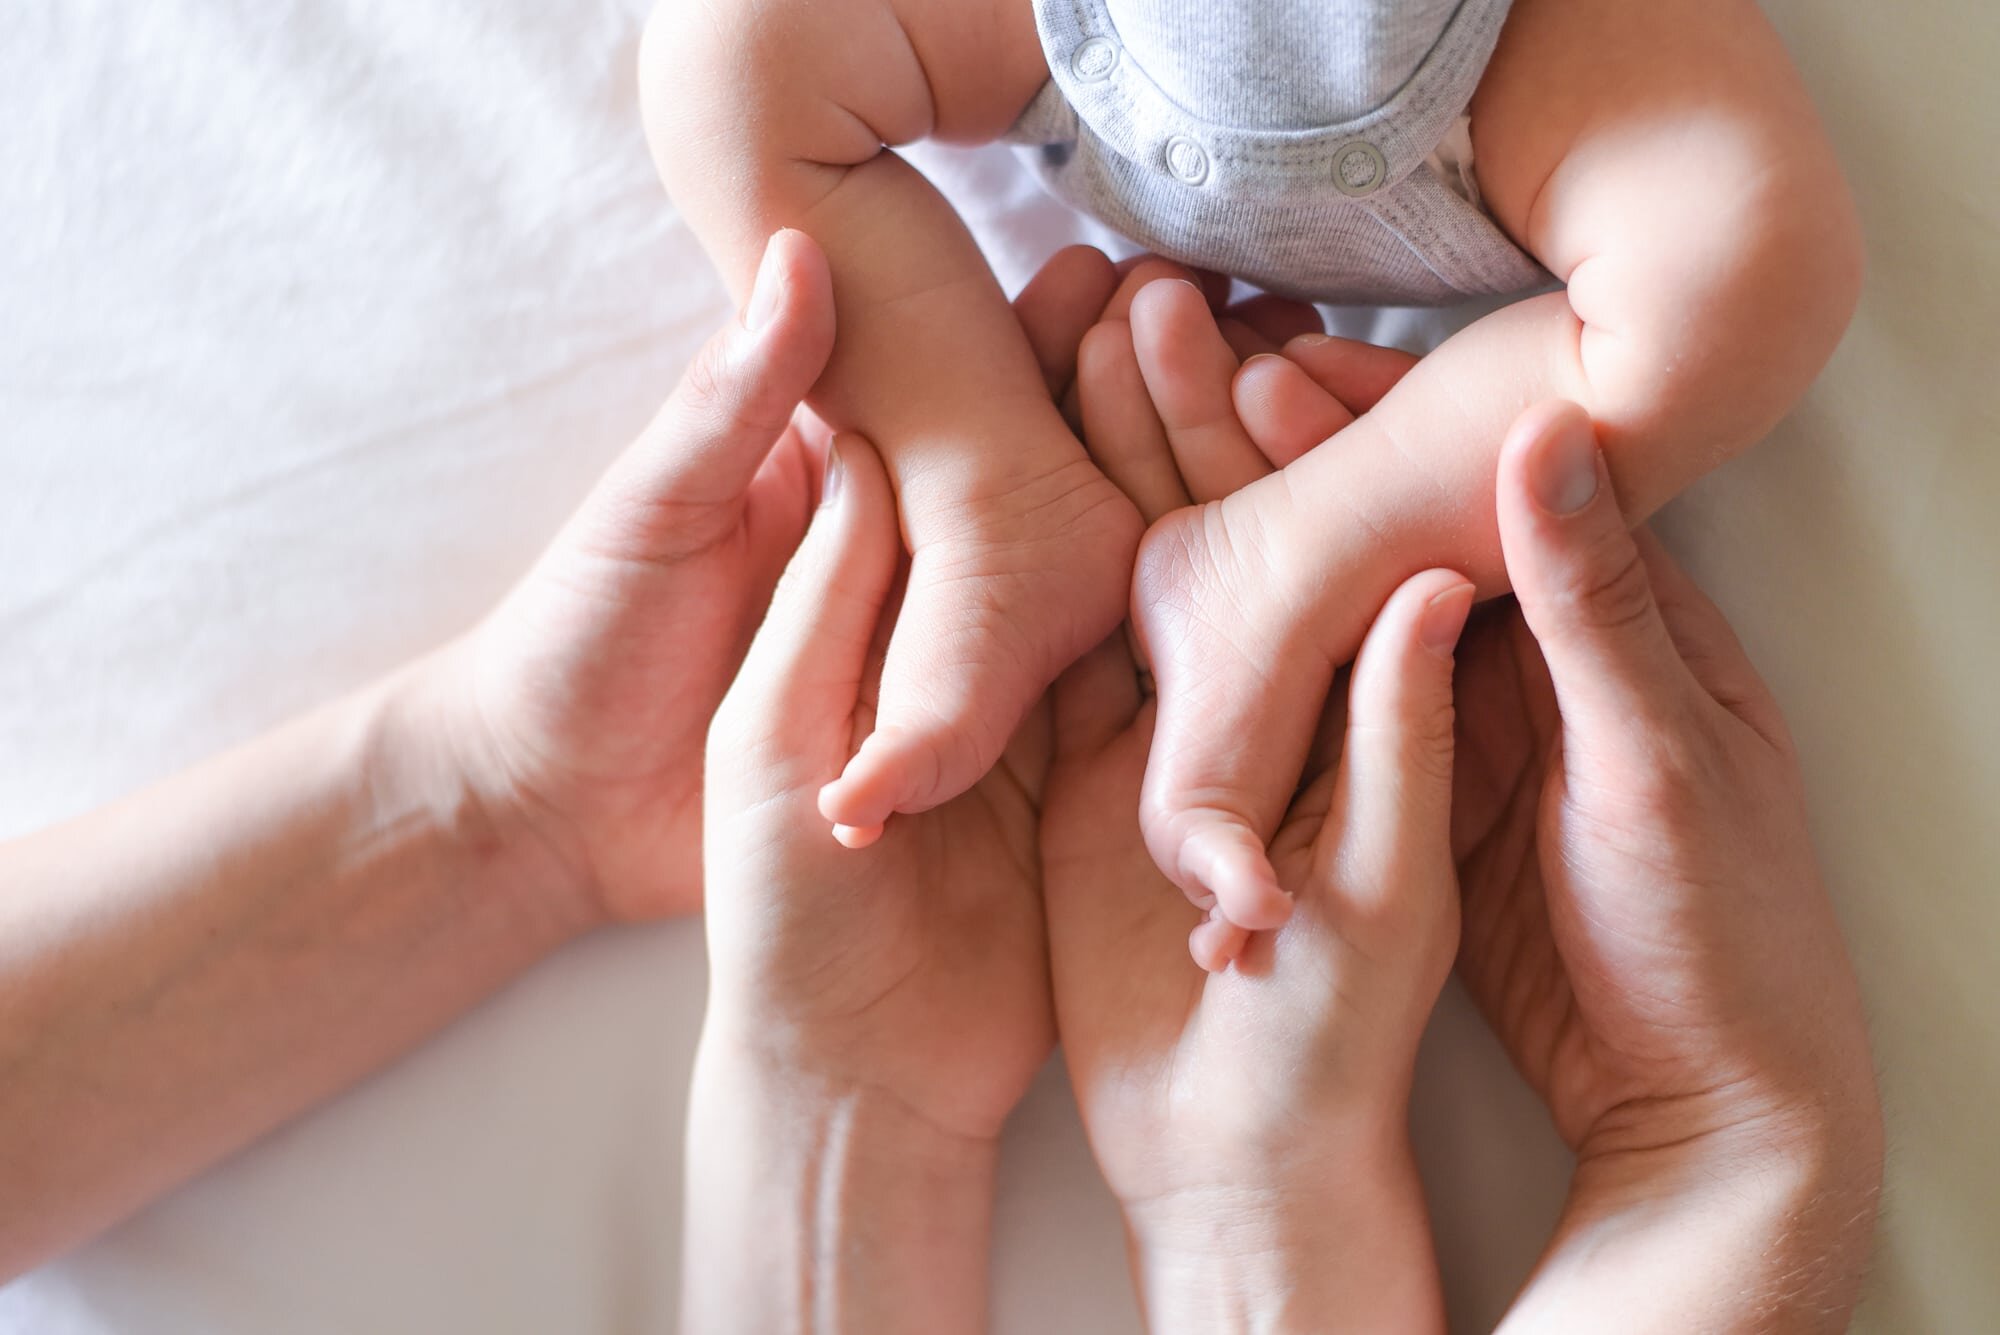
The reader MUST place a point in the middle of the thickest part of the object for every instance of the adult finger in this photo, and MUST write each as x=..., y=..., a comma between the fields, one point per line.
x=1584, y=589
x=1389, y=825
x=1264, y=324
x=1356, y=373
x=789, y=714
x=681, y=486
x=1064, y=298
x=1120, y=427
x=1132, y=274
x=1188, y=368
x=1211, y=281
x=1141, y=272
x=1283, y=410
x=1244, y=342
x=1301, y=399
x=1279, y=319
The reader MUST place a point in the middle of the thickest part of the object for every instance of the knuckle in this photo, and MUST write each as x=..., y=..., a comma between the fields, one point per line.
x=1668, y=771
x=1430, y=747
x=1413, y=751
x=1611, y=590
x=1661, y=781
x=1395, y=902
x=720, y=398
x=707, y=386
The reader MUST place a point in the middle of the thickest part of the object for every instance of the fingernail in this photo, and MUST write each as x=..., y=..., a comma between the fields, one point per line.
x=831, y=477
x=1444, y=619
x=1309, y=340
x=768, y=291
x=1562, y=473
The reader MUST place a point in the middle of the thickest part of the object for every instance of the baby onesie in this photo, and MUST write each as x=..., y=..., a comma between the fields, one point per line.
x=1315, y=148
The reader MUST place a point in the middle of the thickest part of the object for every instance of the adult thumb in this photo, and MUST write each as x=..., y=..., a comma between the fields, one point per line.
x=685, y=479
x=790, y=711
x=1580, y=580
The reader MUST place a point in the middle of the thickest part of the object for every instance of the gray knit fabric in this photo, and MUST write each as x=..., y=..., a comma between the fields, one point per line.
x=1281, y=141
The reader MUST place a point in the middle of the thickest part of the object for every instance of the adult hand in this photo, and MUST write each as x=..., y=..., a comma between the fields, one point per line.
x=1252, y=1121
x=581, y=703
x=873, y=1015
x=195, y=964
x=875, y=1011
x=587, y=693
x=1648, y=932
x=1644, y=923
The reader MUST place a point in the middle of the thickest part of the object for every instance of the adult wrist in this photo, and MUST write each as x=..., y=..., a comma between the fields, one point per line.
x=796, y=1086
x=1764, y=1224
x=1815, y=1145
x=1342, y=1246
x=428, y=725
x=817, y=1203
x=1230, y=1260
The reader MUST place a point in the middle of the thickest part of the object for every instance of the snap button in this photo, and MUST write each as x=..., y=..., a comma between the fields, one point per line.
x=1186, y=160
x=1093, y=60
x=1358, y=168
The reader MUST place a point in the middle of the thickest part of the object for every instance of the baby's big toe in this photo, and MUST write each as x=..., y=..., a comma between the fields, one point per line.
x=1240, y=690
x=1220, y=862
x=898, y=768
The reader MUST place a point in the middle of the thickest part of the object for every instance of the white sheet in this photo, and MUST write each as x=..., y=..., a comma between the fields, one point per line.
x=317, y=315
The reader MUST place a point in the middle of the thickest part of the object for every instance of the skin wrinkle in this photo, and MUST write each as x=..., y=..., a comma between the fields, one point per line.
x=930, y=99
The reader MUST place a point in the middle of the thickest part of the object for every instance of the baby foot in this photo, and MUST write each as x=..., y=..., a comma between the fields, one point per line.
x=1242, y=677
x=1006, y=589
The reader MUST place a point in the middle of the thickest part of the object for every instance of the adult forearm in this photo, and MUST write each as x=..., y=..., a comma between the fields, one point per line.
x=1760, y=1233
x=187, y=969
x=824, y=1208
